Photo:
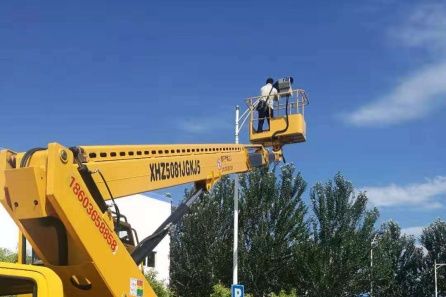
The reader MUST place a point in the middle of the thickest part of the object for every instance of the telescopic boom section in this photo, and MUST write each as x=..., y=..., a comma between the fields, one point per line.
x=140, y=168
x=56, y=196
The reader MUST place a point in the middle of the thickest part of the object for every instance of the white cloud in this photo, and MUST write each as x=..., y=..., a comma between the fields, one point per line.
x=424, y=90
x=414, y=97
x=420, y=194
x=424, y=28
x=415, y=231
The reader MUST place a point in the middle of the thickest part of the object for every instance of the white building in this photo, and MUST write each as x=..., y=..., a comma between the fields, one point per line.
x=9, y=232
x=145, y=214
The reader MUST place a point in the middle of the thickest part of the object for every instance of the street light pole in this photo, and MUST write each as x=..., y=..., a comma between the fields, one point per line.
x=371, y=262
x=436, y=266
x=435, y=273
x=371, y=268
x=235, y=249
x=240, y=120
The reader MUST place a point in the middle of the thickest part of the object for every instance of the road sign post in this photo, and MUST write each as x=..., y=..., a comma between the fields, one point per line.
x=237, y=291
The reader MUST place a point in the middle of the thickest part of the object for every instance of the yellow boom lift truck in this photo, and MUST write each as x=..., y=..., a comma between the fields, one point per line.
x=62, y=200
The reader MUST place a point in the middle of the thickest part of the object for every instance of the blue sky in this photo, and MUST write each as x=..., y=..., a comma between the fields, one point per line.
x=113, y=72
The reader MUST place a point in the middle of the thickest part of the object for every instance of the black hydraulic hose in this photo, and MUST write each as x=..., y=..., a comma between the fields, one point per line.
x=96, y=194
x=88, y=180
x=286, y=120
x=118, y=213
x=27, y=156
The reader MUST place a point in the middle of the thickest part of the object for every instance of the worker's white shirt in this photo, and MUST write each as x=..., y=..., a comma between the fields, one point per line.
x=264, y=91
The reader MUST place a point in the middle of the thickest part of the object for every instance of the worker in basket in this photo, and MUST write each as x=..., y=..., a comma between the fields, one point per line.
x=264, y=107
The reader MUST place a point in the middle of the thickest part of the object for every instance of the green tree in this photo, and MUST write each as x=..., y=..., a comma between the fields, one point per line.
x=397, y=263
x=272, y=226
x=336, y=261
x=201, y=244
x=160, y=289
x=433, y=239
x=7, y=256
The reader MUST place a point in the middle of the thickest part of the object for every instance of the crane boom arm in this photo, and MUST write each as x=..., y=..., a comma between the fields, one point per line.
x=56, y=196
x=141, y=168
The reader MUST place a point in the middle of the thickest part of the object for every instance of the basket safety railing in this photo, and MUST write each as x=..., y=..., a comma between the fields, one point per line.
x=297, y=100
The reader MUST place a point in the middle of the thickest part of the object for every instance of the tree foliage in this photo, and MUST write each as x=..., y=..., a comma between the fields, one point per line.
x=342, y=228
x=7, y=256
x=201, y=244
x=398, y=263
x=160, y=289
x=219, y=290
x=433, y=239
x=285, y=294
x=287, y=250
x=271, y=224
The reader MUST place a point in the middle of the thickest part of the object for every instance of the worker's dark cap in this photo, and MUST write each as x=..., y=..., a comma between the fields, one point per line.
x=269, y=80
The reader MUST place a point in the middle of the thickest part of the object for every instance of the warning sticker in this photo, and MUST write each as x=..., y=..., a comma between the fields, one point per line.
x=136, y=287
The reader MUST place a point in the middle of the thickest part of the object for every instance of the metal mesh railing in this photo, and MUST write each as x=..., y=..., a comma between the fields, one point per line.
x=297, y=100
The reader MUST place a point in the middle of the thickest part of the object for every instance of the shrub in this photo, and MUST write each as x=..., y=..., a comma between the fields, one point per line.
x=219, y=290
x=157, y=286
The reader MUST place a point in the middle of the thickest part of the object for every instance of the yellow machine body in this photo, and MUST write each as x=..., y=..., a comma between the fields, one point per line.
x=28, y=281
x=296, y=131
x=57, y=208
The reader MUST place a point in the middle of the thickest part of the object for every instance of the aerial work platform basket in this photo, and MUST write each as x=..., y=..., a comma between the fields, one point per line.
x=286, y=123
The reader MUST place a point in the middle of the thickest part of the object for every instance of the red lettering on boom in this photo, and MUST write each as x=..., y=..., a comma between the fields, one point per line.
x=83, y=199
